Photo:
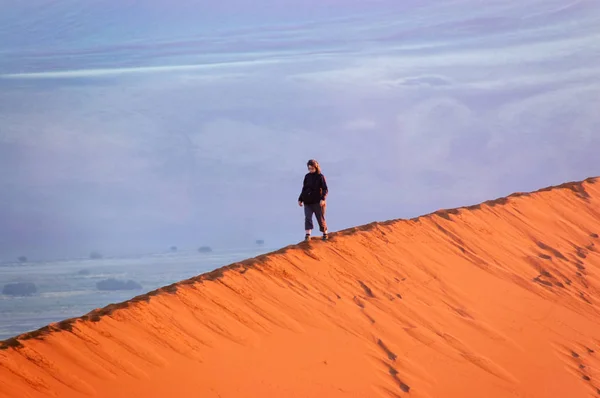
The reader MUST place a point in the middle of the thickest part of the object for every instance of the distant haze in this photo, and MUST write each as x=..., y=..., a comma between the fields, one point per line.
x=128, y=127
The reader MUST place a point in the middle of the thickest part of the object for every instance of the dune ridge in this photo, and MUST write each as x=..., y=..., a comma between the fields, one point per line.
x=492, y=300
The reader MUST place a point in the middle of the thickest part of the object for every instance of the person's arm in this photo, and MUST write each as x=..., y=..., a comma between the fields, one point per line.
x=300, y=196
x=324, y=188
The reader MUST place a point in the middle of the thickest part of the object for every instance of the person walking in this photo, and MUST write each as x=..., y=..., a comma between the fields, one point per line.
x=313, y=198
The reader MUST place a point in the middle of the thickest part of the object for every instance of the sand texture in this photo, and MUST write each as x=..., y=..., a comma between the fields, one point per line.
x=494, y=300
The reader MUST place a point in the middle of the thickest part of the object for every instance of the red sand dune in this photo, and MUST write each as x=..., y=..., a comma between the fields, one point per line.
x=495, y=300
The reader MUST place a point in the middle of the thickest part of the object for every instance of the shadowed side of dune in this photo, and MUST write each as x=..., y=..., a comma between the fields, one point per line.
x=495, y=299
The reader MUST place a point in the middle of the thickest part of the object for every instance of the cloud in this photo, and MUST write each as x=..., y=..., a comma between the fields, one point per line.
x=431, y=81
x=89, y=73
x=243, y=144
x=452, y=143
x=428, y=130
x=164, y=137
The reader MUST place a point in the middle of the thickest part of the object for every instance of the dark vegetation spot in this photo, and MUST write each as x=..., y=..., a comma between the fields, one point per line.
x=590, y=351
x=576, y=187
x=538, y=280
x=445, y=214
x=545, y=256
x=581, y=366
x=574, y=354
x=594, y=235
x=398, y=295
x=366, y=288
x=580, y=252
x=568, y=281
x=390, y=354
x=10, y=343
x=499, y=201
x=39, y=334
x=473, y=207
x=556, y=253
x=579, y=189
x=462, y=312
x=559, y=284
x=545, y=273
x=586, y=378
x=358, y=302
x=216, y=274
x=580, y=267
x=578, y=274
x=338, y=296
x=394, y=373
x=598, y=391
x=172, y=288
x=369, y=226
x=369, y=317
x=591, y=247
x=66, y=325
x=518, y=194
x=584, y=298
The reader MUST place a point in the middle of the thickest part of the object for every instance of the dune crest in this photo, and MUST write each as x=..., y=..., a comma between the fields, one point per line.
x=493, y=300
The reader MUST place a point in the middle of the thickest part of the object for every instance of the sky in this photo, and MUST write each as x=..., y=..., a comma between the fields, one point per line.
x=128, y=127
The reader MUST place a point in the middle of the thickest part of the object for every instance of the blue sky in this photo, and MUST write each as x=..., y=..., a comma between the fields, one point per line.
x=132, y=126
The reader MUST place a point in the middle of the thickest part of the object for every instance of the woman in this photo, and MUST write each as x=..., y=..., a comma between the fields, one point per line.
x=313, y=195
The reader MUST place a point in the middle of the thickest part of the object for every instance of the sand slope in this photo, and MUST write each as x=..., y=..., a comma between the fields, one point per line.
x=495, y=300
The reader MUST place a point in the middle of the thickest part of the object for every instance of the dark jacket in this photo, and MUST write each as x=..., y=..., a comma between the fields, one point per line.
x=314, y=189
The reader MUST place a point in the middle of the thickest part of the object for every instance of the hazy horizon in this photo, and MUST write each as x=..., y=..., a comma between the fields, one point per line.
x=132, y=128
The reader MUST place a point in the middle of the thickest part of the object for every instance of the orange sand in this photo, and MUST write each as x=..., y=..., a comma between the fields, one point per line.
x=495, y=300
